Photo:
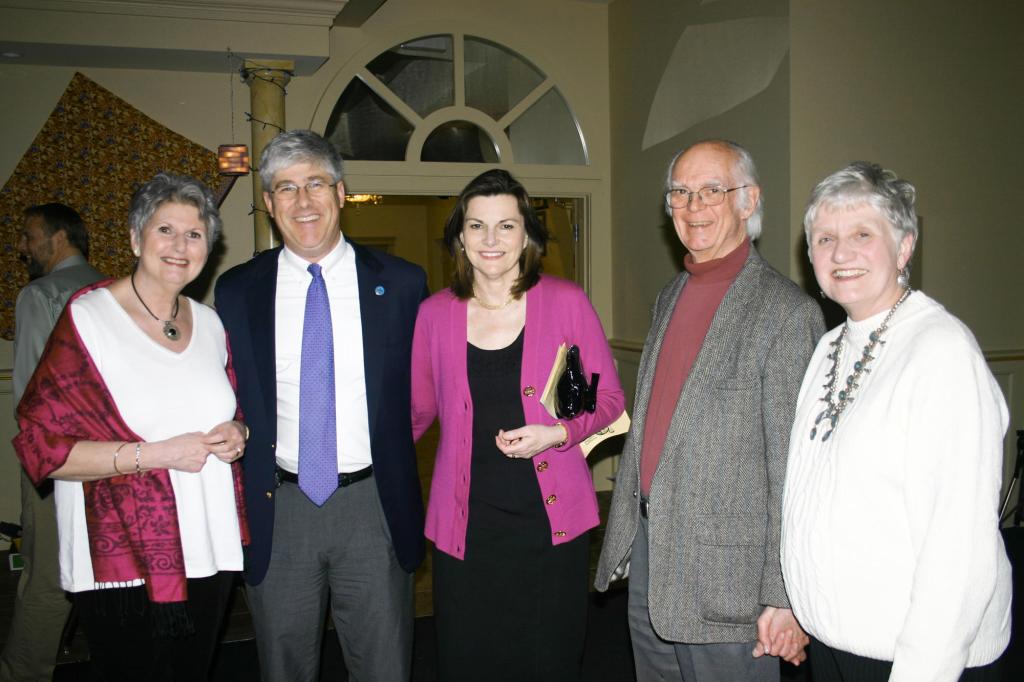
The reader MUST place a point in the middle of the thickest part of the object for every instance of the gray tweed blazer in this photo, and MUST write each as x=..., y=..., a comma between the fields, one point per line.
x=716, y=497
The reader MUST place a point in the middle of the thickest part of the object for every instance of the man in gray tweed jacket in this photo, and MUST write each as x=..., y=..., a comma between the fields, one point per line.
x=696, y=512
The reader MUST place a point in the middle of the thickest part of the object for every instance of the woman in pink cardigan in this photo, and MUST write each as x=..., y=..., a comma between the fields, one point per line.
x=512, y=498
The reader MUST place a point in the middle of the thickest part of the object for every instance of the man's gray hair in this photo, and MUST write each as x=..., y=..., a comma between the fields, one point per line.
x=866, y=183
x=299, y=146
x=744, y=172
x=179, y=189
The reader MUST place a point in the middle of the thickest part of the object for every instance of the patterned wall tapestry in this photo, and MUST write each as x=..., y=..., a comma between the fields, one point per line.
x=93, y=152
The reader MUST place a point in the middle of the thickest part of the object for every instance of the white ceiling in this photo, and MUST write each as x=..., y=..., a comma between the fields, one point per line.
x=314, y=12
x=179, y=35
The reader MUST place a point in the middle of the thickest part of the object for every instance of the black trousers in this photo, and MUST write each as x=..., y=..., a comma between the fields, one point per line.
x=834, y=665
x=120, y=634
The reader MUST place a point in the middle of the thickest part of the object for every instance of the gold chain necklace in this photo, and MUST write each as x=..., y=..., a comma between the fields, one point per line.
x=491, y=306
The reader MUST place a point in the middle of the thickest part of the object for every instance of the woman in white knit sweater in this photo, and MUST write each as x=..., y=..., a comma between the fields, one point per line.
x=890, y=548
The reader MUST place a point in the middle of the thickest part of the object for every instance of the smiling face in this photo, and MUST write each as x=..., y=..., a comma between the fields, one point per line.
x=856, y=258
x=173, y=247
x=710, y=232
x=494, y=237
x=310, y=225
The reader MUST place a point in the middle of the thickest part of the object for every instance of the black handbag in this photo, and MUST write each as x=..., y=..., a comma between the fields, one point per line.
x=574, y=395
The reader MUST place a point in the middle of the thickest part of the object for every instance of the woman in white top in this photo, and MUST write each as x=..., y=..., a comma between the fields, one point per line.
x=132, y=411
x=891, y=548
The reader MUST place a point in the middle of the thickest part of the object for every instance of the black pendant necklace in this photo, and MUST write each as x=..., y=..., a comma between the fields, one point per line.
x=171, y=330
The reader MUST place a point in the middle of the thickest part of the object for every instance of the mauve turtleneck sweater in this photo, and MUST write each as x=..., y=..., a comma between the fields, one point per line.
x=702, y=294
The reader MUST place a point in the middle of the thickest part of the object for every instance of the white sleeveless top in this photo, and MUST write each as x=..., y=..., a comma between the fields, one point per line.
x=159, y=394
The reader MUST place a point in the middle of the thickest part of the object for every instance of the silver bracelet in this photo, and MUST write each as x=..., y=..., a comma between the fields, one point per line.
x=138, y=451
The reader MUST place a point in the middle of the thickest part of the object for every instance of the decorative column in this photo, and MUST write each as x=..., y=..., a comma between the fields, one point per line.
x=267, y=80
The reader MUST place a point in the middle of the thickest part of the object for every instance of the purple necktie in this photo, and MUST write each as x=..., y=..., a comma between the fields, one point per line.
x=318, y=441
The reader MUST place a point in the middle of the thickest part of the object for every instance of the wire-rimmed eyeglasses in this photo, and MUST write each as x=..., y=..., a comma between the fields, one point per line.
x=678, y=197
x=314, y=188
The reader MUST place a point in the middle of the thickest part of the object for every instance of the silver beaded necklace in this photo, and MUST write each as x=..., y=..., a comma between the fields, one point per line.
x=837, y=401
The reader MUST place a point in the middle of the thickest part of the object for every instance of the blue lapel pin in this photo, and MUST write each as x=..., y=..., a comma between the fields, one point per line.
x=379, y=290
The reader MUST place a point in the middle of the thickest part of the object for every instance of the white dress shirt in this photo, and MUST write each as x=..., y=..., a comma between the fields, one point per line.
x=353, y=430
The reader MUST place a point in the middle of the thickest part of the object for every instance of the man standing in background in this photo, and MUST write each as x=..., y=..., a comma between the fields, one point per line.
x=54, y=245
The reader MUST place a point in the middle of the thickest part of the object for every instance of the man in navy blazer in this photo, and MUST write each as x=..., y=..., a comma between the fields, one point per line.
x=359, y=547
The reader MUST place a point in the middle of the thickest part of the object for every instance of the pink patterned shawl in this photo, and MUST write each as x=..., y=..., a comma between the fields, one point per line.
x=132, y=520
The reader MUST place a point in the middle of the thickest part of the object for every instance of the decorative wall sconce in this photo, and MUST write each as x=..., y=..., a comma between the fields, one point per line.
x=233, y=159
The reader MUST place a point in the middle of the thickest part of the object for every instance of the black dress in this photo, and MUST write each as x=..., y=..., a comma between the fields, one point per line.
x=516, y=607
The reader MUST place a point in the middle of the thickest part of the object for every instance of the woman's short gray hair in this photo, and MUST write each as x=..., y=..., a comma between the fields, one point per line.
x=865, y=183
x=299, y=146
x=744, y=172
x=178, y=189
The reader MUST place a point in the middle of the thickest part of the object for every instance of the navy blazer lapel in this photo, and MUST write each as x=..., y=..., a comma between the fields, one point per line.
x=370, y=280
x=260, y=306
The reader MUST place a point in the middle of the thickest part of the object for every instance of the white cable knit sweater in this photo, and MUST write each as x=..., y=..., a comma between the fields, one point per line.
x=890, y=541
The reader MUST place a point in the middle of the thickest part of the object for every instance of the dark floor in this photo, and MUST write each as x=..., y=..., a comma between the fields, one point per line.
x=607, y=656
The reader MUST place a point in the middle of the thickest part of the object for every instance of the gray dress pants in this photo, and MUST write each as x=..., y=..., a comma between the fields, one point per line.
x=338, y=554
x=657, y=659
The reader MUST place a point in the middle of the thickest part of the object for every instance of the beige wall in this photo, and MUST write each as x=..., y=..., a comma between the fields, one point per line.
x=921, y=86
x=642, y=36
x=931, y=90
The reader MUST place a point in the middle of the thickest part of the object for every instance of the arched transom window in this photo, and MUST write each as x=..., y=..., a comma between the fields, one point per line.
x=455, y=98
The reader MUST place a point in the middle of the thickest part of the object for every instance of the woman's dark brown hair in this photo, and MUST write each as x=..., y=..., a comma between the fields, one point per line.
x=494, y=183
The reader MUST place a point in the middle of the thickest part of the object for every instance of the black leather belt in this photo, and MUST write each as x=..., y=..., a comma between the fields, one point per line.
x=343, y=479
x=645, y=506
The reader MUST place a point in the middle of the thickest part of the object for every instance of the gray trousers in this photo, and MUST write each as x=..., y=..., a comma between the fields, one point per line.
x=342, y=551
x=658, y=659
x=41, y=606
